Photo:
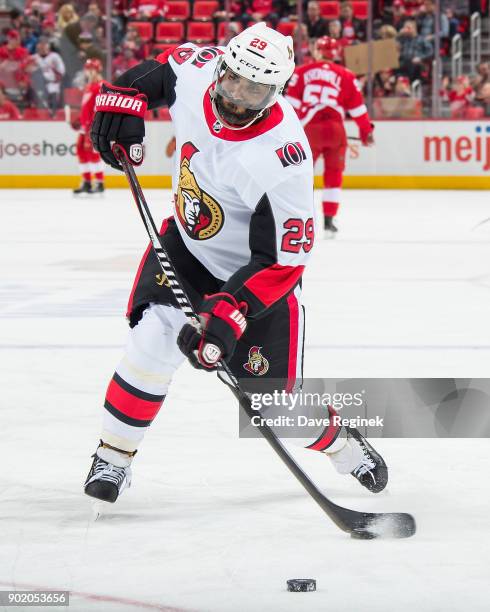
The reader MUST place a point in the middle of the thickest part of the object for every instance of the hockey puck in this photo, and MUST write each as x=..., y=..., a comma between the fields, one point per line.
x=298, y=585
x=360, y=534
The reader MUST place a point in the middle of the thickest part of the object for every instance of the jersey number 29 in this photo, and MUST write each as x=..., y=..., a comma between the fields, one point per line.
x=300, y=235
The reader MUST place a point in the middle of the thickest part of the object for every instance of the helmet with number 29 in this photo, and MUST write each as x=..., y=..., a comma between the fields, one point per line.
x=250, y=75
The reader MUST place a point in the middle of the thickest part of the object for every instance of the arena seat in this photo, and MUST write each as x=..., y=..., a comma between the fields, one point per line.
x=169, y=32
x=329, y=10
x=200, y=32
x=178, y=10
x=360, y=9
x=204, y=10
x=145, y=29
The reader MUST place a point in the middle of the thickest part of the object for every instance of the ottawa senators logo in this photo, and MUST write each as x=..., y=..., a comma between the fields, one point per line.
x=199, y=214
x=257, y=364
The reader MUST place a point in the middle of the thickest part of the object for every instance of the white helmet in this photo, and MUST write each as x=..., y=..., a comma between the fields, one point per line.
x=264, y=59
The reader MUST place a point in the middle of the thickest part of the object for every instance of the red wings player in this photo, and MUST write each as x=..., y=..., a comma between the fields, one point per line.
x=89, y=160
x=322, y=93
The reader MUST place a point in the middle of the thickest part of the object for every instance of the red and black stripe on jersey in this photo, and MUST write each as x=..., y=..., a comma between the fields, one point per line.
x=262, y=282
x=131, y=405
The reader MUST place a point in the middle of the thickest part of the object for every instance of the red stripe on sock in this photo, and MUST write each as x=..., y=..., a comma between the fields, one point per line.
x=329, y=434
x=131, y=405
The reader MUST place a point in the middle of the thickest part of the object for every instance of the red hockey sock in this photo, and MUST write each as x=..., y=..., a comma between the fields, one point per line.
x=330, y=209
x=99, y=176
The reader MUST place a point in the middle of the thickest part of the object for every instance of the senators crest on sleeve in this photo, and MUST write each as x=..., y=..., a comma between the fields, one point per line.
x=198, y=213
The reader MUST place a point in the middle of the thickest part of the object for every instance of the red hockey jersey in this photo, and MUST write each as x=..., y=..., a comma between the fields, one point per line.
x=87, y=108
x=326, y=91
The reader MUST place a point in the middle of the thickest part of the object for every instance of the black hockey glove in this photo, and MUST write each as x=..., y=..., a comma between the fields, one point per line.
x=222, y=324
x=119, y=118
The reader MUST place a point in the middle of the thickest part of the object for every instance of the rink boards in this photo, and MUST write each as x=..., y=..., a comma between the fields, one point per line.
x=407, y=155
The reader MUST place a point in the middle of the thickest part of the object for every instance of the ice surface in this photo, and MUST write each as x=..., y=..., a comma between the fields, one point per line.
x=212, y=522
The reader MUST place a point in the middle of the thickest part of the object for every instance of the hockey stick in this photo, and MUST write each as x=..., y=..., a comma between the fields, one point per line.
x=359, y=524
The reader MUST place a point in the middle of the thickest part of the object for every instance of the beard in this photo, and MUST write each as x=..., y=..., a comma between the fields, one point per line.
x=232, y=115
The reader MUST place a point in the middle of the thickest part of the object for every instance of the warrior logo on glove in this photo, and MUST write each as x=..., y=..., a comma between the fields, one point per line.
x=198, y=213
x=257, y=364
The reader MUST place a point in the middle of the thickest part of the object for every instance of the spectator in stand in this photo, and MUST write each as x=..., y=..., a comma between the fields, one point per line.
x=148, y=10
x=484, y=99
x=303, y=46
x=317, y=26
x=133, y=41
x=453, y=21
x=124, y=61
x=402, y=88
x=399, y=15
x=88, y=48
x=66, y=16
x=482, y=77
x=352, y=28
x=384, y=83
x=12, y=50
x=28, y=37
x=86, y=25
x=8, y=110
x=386, y=32
x=335, y=31
x=94, y=9
x=16, y=19
x=53, y=69
x=263, y=10
x=236, y=12
x=460, y=96
x=426, y=22
x=49, y=31
x=39, y=10
x=120, y=9
x=287, y=9
x=414, y=51
x=412, y=6
x=26, y=96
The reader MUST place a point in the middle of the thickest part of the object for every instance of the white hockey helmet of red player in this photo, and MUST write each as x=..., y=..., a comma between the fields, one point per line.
x=251, y=74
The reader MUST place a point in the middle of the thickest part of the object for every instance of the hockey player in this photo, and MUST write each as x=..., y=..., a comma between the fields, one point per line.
x=322, y=93
x=239, y=239
x=89, y=160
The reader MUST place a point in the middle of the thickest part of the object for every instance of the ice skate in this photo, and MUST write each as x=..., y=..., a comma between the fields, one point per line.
x=110, y=473
x=84, y=189
x=330, y=230
x=98, y=187
x=358, y=457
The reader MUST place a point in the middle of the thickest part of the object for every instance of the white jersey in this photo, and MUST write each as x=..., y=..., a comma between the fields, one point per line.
x=243, y=198
x=53, y=69
x=228, y=172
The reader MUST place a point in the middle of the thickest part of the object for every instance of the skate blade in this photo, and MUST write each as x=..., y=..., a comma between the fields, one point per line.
x=99, y=509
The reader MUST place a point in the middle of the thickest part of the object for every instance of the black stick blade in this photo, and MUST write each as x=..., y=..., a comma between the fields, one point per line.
x=384, y=525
